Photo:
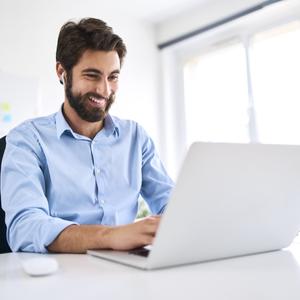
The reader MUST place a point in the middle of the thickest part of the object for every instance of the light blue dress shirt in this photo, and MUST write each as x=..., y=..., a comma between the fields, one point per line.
x=52, y=177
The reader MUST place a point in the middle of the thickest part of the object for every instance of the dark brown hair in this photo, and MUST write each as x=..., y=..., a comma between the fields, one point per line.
x=93, y=34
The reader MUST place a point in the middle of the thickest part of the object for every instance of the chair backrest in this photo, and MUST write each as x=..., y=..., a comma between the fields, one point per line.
x=4, y=247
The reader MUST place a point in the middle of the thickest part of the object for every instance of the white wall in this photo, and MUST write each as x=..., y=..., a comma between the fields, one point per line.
x=29, y=31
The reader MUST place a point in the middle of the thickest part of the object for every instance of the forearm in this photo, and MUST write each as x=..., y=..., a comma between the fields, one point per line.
x=80, y=238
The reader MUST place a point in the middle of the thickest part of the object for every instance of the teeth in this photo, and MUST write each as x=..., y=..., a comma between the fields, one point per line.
x=95, y=100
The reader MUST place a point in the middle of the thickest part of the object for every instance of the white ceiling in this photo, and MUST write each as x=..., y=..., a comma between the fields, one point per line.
x=156, y=11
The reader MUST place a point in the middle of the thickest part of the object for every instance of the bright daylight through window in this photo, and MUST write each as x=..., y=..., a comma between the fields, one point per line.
x=275, y=67
x=219, y=86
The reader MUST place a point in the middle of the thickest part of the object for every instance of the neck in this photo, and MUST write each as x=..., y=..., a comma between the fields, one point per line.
x=82, y=127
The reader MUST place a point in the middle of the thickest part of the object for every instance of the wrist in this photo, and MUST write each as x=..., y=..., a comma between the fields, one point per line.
x=105, y=237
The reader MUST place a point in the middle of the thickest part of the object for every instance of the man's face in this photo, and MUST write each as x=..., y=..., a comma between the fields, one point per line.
x=92, y=84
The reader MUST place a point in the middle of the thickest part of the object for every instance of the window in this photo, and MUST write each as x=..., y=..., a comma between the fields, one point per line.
x=216, y=95
x=246, y=91
x=236, y=82
x=275, y=69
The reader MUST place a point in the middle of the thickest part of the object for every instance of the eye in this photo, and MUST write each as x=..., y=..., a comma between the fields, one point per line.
x=91, y=76
x=114, y=77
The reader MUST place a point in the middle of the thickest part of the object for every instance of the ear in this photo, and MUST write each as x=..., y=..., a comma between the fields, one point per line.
x=60, y=71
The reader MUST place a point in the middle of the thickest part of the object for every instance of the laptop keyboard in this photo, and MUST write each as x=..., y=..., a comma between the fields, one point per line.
x=140, y=251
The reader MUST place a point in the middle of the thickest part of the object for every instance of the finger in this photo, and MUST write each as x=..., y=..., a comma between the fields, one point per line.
x=155, y=216
x=151, y=228
x=153, y=219
x=148, y=239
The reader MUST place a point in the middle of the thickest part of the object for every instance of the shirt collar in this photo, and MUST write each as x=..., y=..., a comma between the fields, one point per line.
x=110, y=126
x=62, y=126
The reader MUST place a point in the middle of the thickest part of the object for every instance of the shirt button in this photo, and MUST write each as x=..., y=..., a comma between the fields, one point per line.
x=97, y=171
x=102, y=201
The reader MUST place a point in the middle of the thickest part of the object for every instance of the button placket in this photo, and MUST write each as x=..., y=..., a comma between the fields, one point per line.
x=96, y=172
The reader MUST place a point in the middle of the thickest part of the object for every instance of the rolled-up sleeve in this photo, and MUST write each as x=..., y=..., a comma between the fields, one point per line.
x=30, y=227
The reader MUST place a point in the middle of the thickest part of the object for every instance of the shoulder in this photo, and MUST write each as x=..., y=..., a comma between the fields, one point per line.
x=29, y=129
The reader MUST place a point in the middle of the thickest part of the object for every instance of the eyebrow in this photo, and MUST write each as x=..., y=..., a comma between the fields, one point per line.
x=92, y=70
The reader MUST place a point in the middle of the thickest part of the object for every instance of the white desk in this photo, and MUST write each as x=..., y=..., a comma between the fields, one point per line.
x=271, y=276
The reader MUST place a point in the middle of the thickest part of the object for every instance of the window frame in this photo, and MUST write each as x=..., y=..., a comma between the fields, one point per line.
x=173, y=59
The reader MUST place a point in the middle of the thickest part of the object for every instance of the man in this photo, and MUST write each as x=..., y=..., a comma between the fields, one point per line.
x=71, y=181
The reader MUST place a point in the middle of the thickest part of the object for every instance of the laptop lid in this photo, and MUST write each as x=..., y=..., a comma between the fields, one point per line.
x=229, y=200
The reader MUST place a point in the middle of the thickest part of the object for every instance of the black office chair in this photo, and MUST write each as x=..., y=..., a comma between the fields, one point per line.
x=4, y=248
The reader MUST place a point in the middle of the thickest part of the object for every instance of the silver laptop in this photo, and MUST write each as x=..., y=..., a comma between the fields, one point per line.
x=229, y=200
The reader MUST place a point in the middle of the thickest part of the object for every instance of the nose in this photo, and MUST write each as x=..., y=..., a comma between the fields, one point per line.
x=104, y=88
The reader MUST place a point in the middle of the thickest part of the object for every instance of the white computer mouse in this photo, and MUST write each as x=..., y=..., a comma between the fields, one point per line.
x=40, y=265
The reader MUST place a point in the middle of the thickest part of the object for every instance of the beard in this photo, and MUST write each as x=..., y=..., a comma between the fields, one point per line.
x=80, y=103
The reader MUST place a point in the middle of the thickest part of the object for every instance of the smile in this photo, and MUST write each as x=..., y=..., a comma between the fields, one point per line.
x=95, y=100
